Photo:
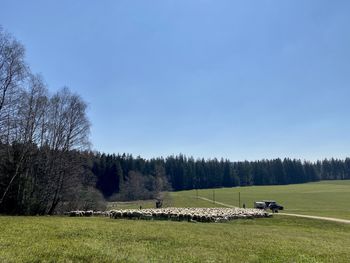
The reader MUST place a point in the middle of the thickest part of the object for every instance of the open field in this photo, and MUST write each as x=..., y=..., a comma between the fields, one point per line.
x=131, y=204
x=175, y=199
x=326, y=198
x=278, y=239
x=64, y=239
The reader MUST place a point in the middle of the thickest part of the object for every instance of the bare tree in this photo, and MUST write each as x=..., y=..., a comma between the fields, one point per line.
x=12, y=66
x=68, y=129
x=26, y=122
x=41, y=136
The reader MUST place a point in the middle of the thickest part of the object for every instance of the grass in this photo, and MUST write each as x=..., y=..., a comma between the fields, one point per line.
x=131, y=204
x=278, y=239
x=62, y=239
x=326, y=198
x=172, y=199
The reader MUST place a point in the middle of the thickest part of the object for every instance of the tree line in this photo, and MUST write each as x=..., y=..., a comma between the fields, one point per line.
x=185, y=173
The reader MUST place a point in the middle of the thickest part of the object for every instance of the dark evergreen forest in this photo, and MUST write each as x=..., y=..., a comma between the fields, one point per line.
x=184, y=173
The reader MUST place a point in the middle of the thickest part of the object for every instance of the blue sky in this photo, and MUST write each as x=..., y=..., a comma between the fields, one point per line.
x=233, y=79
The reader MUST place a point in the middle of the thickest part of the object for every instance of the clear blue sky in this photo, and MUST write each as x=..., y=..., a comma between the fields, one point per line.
x=234, y=79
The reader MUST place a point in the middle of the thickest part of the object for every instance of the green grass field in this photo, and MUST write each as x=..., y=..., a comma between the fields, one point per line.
x=326, y=198
x=64, y=239
x=277, y=239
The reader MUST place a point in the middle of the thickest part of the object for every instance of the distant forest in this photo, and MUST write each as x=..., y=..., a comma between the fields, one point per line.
x=47, y=167
x=184, y=173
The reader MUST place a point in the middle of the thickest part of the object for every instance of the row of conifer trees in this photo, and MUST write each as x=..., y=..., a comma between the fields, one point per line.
x=183, y=173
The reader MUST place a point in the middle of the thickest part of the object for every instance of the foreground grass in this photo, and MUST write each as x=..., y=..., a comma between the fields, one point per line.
x=63, y=239
x=326, y=198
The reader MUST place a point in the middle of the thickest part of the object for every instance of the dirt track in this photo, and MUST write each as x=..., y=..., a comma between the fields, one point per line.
x=318, y=217
x=287, y=214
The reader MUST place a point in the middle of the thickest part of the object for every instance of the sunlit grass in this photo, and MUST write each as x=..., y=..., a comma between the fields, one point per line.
x=64, y=239
x=326, y=198
x=279, y=239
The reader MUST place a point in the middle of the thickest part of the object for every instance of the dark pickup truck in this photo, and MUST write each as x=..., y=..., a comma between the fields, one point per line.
x=268, y=204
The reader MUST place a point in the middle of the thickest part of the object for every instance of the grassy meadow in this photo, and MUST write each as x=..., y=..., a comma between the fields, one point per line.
x=64, y=239
x=277, y=239
x=325, y=198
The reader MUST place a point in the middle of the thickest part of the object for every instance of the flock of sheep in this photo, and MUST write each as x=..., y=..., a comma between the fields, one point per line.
x=179, y=214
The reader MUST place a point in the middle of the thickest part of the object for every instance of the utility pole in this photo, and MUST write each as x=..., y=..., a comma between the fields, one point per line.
x=239, y=199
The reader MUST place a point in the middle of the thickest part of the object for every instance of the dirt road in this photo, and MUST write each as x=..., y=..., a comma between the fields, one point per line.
x=318, y=217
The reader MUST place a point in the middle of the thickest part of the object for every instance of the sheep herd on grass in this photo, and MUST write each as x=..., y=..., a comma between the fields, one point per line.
x=179, y=214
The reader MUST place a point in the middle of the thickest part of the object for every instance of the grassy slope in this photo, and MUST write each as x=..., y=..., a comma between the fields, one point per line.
x=28, y=239
x=326, y=198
